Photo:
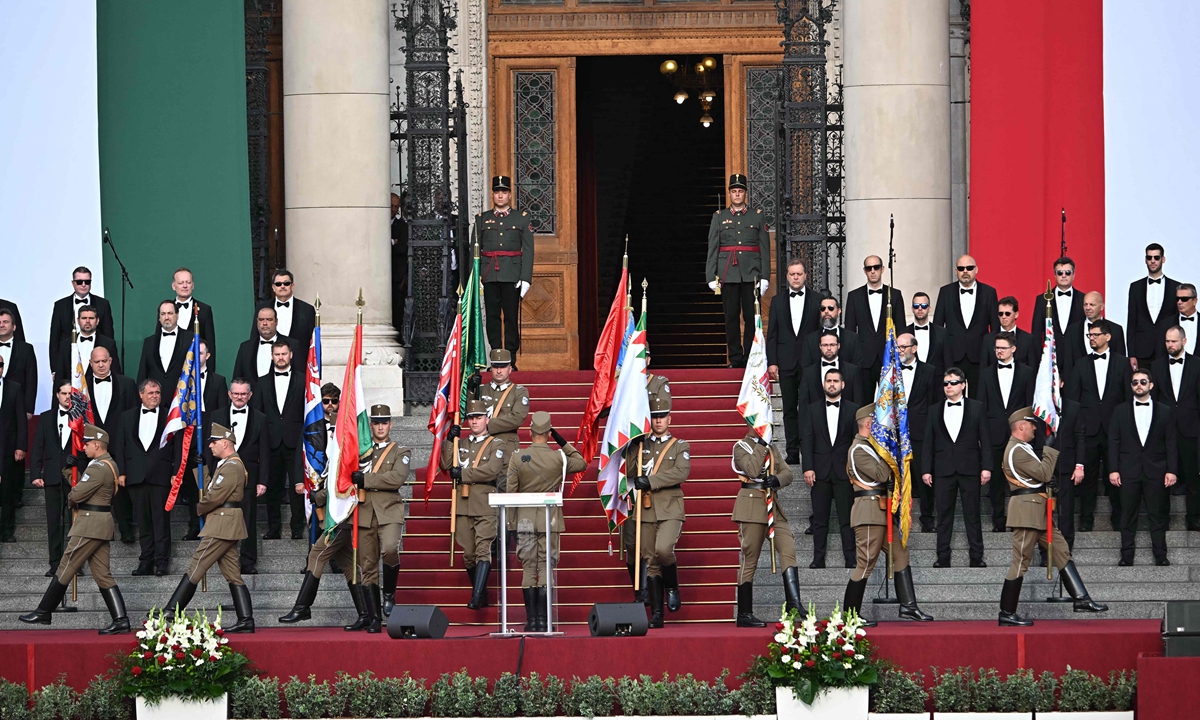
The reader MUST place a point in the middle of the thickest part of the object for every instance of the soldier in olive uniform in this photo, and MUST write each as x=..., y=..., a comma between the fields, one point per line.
x=762, y=471
x=507, y=402
x=481, y=461
x=656, y=386
x=1029, y=478
x=89, y=537
x=539, y=469
x=224, y=528
x=872, y=481
x=380, y=514
x=665, y=464
x=505, y=239
x=739, y=256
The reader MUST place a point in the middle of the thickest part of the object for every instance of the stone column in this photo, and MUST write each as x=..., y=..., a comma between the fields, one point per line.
x=960, y=127
x=897, y=92
x=336, y=181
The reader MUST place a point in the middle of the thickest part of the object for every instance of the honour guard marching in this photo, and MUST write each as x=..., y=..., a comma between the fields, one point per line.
x=221, y=506
x=539, y=469
x=480, y=463
x=657, y=386
x=90, y=535
x=381, y=514
x=505, y=239
x=872, y=481
x=757, y=512
x=1030, y=478
x=739, y=252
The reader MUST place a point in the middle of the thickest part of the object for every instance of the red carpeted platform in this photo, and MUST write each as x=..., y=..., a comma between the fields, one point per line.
x=1167, y=687
x=38, y=657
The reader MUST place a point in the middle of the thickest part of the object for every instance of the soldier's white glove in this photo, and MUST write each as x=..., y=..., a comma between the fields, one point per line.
x=524, y=287
x=762, y=287
x=712, y=285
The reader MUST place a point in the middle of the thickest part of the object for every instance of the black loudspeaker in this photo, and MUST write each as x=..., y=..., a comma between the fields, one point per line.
x=608, y=619
x=417, y=621
x=1181, y=629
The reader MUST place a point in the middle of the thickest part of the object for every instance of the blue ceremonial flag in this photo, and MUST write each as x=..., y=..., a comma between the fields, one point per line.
x=184, y=414
x=889, y=434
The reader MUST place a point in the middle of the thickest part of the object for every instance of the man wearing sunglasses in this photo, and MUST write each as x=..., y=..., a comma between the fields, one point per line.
x=1067, y=305
x=1149, y=308
x=1028, y=346
x=1076, y=346
x=249, y=428
x=1178, y=388
x=1185, y=303
x=866, y=315
x=968, y=310
x=930, y=338
x=1143, y=460
x=830, y=312
x=294, y=318
x=64, y=315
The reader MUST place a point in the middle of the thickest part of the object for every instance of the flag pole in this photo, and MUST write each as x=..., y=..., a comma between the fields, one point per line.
x=638, y=497
x=1050, y=488
x=318, y=512
x=75, y=470
x=200, y=431
x=359, y=303
x=891, y=567
x=768, y=493
x=457, y=421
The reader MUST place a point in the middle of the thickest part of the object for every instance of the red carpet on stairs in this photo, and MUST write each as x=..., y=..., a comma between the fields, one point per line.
x=591, y=569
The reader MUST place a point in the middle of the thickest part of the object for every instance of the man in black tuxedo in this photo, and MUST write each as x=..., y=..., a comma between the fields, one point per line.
x=88, y=321
x=147, y=469
x=1143, y=459
x=1075, y=344
x=794, y=314
x=14, y=438
x=1099, y=384
x=20, y=364
x=399, y=260
x=1149, y=310
x=253, y=360
x=163, y=352
x=1178, y=388
x=1185, y=306
x=831, y=312
x=187, y=306
x=294, y=317
x=1068, y=302
x=1004, y=388
x=62, y=319
x=280, y=396
x=1029, y=346
x=16, y=314
x=957, y=459
x=931, y=338
x=921, y=392
x=52, y=457
x=827, y=429
x=968, y=310
x=1070, y=441
x=866, y=316
x=249, y=427
x=111, y=396
x=812, y=386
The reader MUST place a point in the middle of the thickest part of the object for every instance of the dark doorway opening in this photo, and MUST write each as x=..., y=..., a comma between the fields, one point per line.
x=649, y=169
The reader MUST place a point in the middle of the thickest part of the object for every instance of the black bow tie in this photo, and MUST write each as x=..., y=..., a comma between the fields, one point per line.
x=87, y=339
x=874, y=292
x=239, y=412
x=183, y=305
x=921, y=327
x=1064, y=293
x=285, y=373
x=907, y=367
x=966, y=291
x=168, y=334
x=63, y=413
x=103, y=379
x=954, y=404
x=1154, y=281
x=266, y=342
x=1099, y=356
x=1141, y=404
x=1175, y=361
x=84, y=301
x=828, y=363
x=1002, y=366
x=146, y=412
x=797, y=293
x=6, y=344
x=285, y=303
x=1187, y=319
x=835, y=403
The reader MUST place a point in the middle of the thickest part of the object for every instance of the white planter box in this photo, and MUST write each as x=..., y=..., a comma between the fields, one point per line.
x=830, y=704
x=1118, y=715
x=176, y=709
x=983, y=716
x=898, y=716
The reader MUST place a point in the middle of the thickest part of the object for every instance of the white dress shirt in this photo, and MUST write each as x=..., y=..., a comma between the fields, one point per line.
x=1005, y=376
x=1189, y=327
x=264, y=354
x=282, y=381
x=796, y=307
x=1062, y=307
x=81, y=350
x=147, y=427
x=966, y=302
x=1143, y=413
x=953, y=418
x=1087, y=347
x=1154, y=297
x=185, y=309
x=64, y=429
x=1101, y=365
x=924, y=340
x=284, y=314
x=831, y=418
x=875, y=302
x=238, y=420
x=166, y=346
x=908, y=371
x=1176, y=370
x=203, y=383
x=77, y=302
x=102, y=395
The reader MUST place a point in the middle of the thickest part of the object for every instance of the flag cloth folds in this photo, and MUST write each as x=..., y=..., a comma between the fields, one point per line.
x=1047, y=398
x=474, y=347
x=316, y=435
x=754, y=397
x=80, y=411
x=184, y=414
x=448, y=390
x=605, y=361
x=628, y=420
x=889, y=434
x=353, y=437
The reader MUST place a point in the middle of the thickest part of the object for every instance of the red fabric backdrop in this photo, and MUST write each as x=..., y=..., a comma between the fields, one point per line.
x=1037, y=143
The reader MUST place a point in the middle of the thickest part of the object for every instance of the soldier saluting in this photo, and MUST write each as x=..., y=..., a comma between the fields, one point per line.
x=872, y=481
x=1029, y=479
x=762, y=471
x=89, y=537
x=505, y=239
x=739, y=248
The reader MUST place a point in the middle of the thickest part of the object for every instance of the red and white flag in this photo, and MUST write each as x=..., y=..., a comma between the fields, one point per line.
x=445, y=402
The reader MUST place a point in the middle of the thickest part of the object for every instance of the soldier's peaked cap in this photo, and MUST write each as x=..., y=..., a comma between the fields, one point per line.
x=737, y=180
x=476, y=407
x=502, y=182
x=1025, y=413
x=864, y=412
x=91, y=432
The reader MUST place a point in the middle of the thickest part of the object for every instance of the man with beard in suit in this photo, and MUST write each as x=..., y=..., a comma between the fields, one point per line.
x=89, y=339
x=812, y=387
x=1068, y=302
x=921, y=392
x=294, y=317
x=931, y=338
x=280, y=396
x=62, y=319
x=249, y=428
x=1076, y=345
x=20, y=364
x=827, y=429
x=254, y=355
x=793, y=316
x=1178, y=388
x=1149, y=308
x=1028, y=346
x=111, y=395
x=163, y=352
x=187, y=306
x=13, y=441
x=968, y=310
x=866, y=316
x=146, y=467
x=831, y=312
x=1004, y=388
x=51, y=468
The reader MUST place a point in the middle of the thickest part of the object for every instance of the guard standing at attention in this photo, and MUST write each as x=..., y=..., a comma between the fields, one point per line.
x=739, y=253
x=657, y=386
x=505, y=239
x=224, y=528
x=90, y=535
x=872, y=481
x=539, y=469
x=1029, y=478
x=481, y=462
x=507, y=402
x=762, y=470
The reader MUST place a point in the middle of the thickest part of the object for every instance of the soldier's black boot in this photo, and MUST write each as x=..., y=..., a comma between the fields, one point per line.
x=479, y=592
x=116, y=609
x=360, y=605
x=374, y=610
x=304, y=599
x=908, y=597
x=853, y=599
x=1009, y=597
x=745, y=606
x=539, y=603
x=1074, y=587
x=791, y=590
x=243, y=608
x=671, y=585
x=54, y=595
x=180, y=598
x=471, y=576
x=656, y=602
x=391, y=573
x=530, y=608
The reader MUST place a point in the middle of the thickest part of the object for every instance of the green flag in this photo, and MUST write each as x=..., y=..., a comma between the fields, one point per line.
x=474, y=350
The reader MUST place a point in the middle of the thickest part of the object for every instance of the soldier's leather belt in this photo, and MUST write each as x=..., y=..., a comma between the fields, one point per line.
x=868, y=493
x=490, y=483
x=1028, y=491
x=497, y=254
x=738, y=248
x=753, y=486
x=232, y=505
x=95, y=508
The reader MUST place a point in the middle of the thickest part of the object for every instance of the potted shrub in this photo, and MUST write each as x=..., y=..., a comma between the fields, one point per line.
x=964, y=694
x=899, y=696
x=1083, y=696
x=819, y=668
x=181, y=669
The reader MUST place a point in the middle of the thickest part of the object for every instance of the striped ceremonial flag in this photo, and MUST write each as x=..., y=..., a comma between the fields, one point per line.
x=353, y=437
x=754, y=397
x=184, y=414
x=1047, y=398
x=628, y=420
x=442, y=414
x=316, y=435
x=81, y=406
